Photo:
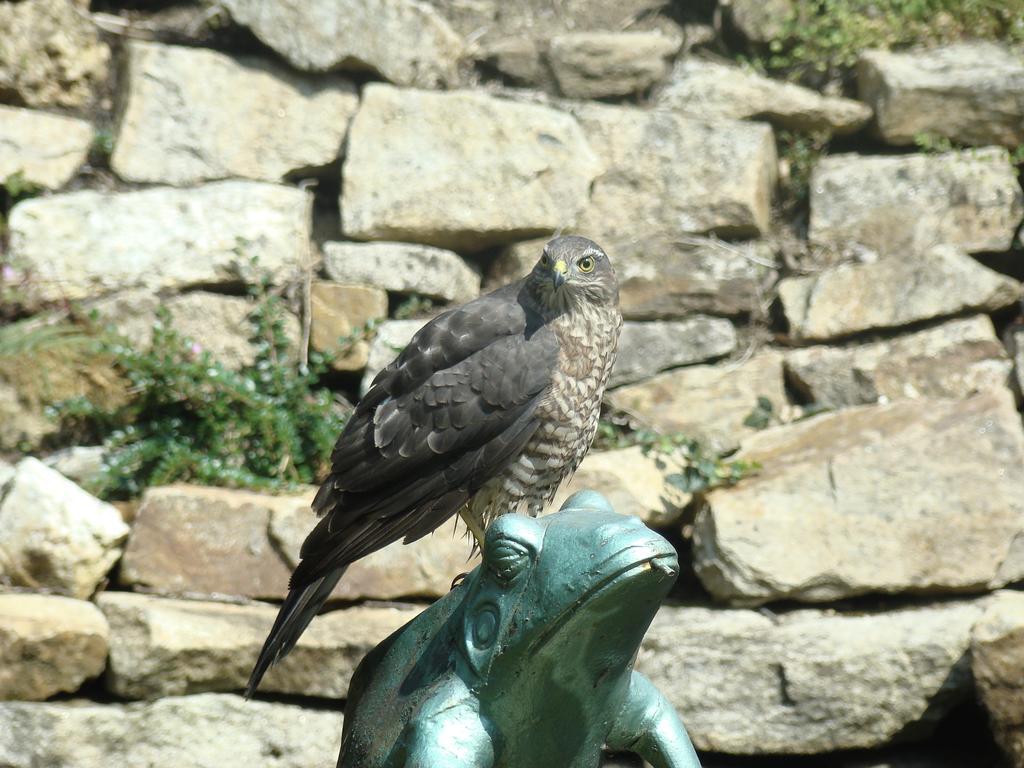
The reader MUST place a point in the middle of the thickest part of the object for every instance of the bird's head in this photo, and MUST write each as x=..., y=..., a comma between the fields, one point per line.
x=572, y=269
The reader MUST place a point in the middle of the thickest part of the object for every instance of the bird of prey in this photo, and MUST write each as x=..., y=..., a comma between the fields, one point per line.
x=489, y=408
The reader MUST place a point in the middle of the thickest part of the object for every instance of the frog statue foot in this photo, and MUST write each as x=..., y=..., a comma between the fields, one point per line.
x=528, y=663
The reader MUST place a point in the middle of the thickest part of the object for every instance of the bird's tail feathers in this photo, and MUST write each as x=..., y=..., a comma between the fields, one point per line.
x=299, y=608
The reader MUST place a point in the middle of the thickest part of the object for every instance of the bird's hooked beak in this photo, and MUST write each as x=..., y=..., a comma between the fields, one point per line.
x=559, y=273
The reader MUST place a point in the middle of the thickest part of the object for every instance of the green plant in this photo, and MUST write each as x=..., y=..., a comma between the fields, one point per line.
x=801, y=152
x=699, y=469
x=827, y=36
x=932, y=144
x=189, y=417
x=762, y=415
x=102, y=144
x=414, y=306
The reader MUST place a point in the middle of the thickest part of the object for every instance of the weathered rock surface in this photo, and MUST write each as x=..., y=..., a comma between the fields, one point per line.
x=79, y=463
x=192, y=539
x=905, y=204
x=340, y=310
x=390, y=339
x=997, y=660
x=540, y=18
x=441, y=169
x=53, y=534
x=647, y=348
x=665, y=278
x=810, y=681
x=48, y=645
x=594, y=65
x=405, y=41
x=83, y=244
x=1015, y=344
x=21, y=426
x=51, y=54
x=164, y=647
x=214, y=541
x=675, y=401
x=892, y=292
x=193, y=115
x=635, y=482
x=970, y=93
x=706, y=89
x=403, y=268
x=422, y=569
x=872, y=499
x=949, y=360
x=46, y=150
x=215, y=323
x=725, y=186
x=205, y=731
x=760, y=21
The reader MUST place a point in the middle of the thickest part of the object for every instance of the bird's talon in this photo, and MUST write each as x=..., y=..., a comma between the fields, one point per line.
x=457, y=581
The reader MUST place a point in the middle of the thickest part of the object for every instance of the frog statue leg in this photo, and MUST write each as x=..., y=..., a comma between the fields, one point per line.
x=649, y=727
x=449, y=732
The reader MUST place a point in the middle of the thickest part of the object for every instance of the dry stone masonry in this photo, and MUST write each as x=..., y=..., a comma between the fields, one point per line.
x=821, y=274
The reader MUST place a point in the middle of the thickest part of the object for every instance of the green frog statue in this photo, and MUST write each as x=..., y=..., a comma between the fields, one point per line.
x=528, y=663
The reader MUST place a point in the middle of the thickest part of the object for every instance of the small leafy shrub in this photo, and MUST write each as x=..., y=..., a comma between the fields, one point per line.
x=190, y=418
x=700, y=469
x=826, y=36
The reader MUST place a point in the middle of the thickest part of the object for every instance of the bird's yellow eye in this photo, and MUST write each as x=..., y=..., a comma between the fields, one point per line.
x=586, y=264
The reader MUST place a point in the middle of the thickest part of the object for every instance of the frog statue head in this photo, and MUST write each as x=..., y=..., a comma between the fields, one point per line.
x=529, y=661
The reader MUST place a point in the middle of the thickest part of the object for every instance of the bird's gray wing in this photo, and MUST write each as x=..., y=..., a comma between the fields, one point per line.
x=453, y=410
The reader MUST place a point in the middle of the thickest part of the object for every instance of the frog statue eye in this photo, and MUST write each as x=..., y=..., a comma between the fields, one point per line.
x=506, y=559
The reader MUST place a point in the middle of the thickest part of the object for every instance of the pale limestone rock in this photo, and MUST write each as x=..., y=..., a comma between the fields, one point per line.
x=78, y=463
x=724, y=186
x=665, y=278
x=163, y=647
x=390, y=339
x=970, y=92
x=648, y=348
x=212, y=322
x=405, y=41
x=594, y=65
x=45, y=150
x=193, y=115
x=760, y=21
x=903, y=205
x=635, y=482
x=706, y=89
x=83, y=244
x=339, y=310
x=425, y=568
x=461, y=170
x=403, y=268
x=954, y=359
x=1015, y=345
x=193, y=539
x=205, y=731
x=53, y=534
x=875, y=499
x=809, y=681
x=678, y=401
x=997, y=660
x=48, y=645
x=21, y=426
x=50, y=53
x=892, y=292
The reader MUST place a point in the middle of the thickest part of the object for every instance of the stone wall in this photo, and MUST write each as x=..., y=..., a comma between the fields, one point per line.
x=854, y=603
